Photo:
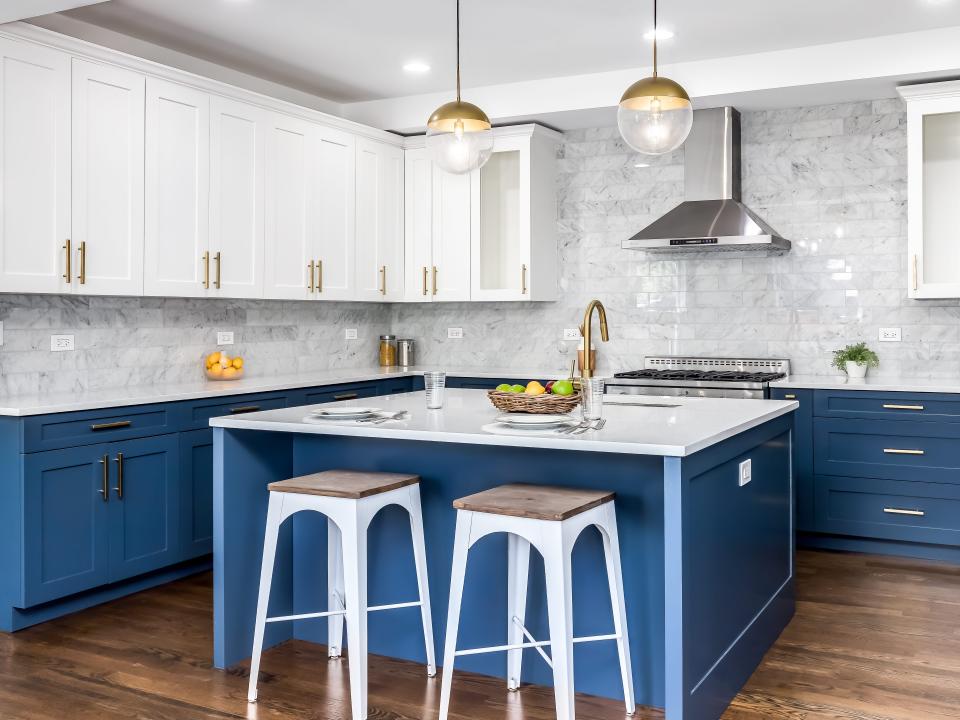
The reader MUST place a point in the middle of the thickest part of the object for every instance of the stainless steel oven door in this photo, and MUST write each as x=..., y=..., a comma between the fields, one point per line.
x=613, y=388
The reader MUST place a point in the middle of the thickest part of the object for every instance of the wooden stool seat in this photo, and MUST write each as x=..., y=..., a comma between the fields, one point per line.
x=350, y=484
x=534, y=501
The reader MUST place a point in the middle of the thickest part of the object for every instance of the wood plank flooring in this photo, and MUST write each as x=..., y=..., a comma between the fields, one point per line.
x=874, y=638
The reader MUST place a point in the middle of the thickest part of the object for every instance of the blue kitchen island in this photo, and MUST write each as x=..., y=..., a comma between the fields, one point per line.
x=704, y=505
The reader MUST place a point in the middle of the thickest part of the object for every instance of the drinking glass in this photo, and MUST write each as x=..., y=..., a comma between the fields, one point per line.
x=433, y=383
x=592, y=403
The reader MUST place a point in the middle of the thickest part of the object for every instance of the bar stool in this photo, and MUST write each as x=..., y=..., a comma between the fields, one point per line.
x=349, y=500
x=550, y=519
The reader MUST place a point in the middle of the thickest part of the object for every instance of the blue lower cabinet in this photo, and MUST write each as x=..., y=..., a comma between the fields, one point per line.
x=196, y=503
x=143, y=506
x=335, y=393
x=482, y=383
x=65, y=523
x=803, y=480
x=396, y=386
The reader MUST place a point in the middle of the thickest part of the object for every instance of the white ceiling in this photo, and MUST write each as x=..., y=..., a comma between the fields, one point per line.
x=353, y=51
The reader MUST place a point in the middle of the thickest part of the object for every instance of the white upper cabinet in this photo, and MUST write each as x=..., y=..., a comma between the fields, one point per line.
x=34, y=168
x=290, y=266
x=380, y=274
x=933, y=173
x=108, y=173
x=237, y=172
x=334, y=197
x=450, y=271
x=418, y=225
x=177, y=261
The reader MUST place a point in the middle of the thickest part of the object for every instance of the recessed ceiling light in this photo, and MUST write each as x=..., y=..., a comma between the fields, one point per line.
x=662, y=34
x=416, y=66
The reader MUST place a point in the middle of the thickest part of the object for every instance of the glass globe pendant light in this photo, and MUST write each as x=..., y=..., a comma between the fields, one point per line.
x=655, y=114
x=459, y=134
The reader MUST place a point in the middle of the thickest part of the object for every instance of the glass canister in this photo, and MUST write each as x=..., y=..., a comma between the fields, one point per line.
x=388, y=350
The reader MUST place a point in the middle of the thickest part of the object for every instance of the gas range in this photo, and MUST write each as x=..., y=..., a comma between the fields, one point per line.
x=700, y=377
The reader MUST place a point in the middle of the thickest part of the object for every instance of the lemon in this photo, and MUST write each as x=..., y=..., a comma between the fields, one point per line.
x=535, y=388
x=215, y=370
x=238, y=362
x=229, y=372
x=213, y=358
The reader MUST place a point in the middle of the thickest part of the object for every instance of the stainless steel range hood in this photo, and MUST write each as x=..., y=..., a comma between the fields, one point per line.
x=712, y=216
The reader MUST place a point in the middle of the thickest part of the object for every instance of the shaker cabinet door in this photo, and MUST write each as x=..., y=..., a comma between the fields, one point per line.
x=418, y=225
x=450, y=271
x=335, y=200
x=34, y=168
x=379, y=221
x=108, y=174
x=177, y=191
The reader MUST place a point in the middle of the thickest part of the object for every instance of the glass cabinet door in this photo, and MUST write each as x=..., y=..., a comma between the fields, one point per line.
x=941, y=211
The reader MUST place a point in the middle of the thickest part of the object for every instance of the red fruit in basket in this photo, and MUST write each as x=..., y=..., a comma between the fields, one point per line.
x=549, y=386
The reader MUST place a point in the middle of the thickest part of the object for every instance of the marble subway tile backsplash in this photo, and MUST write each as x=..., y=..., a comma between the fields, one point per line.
x=832, y=179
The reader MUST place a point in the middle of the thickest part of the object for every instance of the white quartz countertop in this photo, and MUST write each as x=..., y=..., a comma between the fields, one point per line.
x=41, y=404
x=881, y=384
x=635, y=425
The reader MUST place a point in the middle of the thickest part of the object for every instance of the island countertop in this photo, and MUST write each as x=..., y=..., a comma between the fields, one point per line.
x=674, y=427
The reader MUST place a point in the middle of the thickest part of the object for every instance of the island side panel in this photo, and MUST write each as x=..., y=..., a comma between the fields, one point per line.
x=729, y=558
x=244, y=462
x=449, y=471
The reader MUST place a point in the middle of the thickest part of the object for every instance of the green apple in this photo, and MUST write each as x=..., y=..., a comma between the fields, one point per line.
x=517, y=388
x=562, y=387
x=504, y=387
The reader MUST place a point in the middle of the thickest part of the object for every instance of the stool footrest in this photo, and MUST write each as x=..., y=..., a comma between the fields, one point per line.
x=537, y=644
x=394, y=606
x=306, y=616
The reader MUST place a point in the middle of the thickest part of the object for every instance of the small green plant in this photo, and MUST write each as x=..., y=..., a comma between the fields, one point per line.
x=859, y=353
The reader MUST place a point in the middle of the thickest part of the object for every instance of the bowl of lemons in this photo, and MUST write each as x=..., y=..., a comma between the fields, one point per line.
x=554, y=396
x=219, y=366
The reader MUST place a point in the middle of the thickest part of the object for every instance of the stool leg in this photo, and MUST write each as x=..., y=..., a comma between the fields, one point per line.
x=355, y=585
x=420, y=560
x=274, y=512
x=557, y=567
x=461, y=547
x=611, y=553
x=518, y=563
x=334, y=589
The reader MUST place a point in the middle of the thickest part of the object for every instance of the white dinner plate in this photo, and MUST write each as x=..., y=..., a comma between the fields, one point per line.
x=345, y=413
x=531, y=420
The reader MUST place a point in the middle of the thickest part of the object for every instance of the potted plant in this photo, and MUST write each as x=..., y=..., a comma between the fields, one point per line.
x=855, y=359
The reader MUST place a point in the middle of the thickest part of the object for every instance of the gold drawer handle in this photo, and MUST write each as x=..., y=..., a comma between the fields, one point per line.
x=244, y=409
x=310, y=267
x=383, y=280
x=523, y=280
x=216, y=282
x=424, y=281
x=789, y=397
x=902, y=407
x=105, y=483
x=83, y=262
x=206, y=270
x=112, y=425
x=902, y=511
x=67, y=275
x=119, y=488
x=895, y=451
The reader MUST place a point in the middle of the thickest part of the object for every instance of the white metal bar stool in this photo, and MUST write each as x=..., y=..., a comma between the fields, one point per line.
x=550, y=519
x=349, y=500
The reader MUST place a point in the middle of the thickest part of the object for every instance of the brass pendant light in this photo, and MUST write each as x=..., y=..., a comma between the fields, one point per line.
x=655, y=114
x=459, y=134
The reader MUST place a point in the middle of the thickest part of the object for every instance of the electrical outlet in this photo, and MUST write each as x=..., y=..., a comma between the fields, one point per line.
x=455, y=333
x=571, y=334
x=350, y=334
x=890, y=335
x=61, y=343
x=746, y=472
x=224, y=338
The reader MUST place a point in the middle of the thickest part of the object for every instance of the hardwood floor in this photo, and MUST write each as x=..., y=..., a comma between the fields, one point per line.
x=874, y=638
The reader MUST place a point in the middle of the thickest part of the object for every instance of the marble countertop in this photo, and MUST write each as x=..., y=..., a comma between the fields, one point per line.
x=635, y=425
x=41, y=404
x=881, y=384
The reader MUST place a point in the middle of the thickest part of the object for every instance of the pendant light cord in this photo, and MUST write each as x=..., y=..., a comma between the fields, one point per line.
x=654, y=40
x=458, y=50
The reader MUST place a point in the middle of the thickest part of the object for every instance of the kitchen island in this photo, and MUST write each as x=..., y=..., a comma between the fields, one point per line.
x=706, y=537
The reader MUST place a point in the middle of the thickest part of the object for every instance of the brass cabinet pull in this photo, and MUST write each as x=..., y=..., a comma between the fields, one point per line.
x=902, y=511
x=434, y=279
x=424, y=280
x=891, y=406
x=914, y=272
x=310, y=268
x=216, y=282
x=319, y=276
x=895, y=451
x=523, y=280
x=383, y=279
x=789, y=397
x=68, y=275
x=83, y=262
x=111, y=425
x=119, y=488
x=105, y=486
x=206, y=269
x=244, y=409
x=346, y=396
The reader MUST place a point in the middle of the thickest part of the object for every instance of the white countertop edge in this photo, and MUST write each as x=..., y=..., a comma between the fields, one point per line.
x=876, y=384
x=583, y=443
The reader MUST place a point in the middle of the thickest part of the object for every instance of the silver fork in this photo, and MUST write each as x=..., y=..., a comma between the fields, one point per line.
x=589, y=426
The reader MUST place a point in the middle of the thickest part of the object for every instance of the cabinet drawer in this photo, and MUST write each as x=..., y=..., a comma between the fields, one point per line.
x=889, y=509
x=887, y=406
x=51, y=432
x=888, y=449
x=199, y=412
x=336, y=393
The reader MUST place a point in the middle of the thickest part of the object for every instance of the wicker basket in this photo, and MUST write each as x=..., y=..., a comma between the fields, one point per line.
x=541, y=404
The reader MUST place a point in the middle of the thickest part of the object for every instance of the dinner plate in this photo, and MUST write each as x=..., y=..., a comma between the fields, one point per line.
x=345, y=413
x=533, y=420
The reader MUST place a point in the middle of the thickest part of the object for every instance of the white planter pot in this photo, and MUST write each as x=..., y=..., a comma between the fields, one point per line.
x=856, y=370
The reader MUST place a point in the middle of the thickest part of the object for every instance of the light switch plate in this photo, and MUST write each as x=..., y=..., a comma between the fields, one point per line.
x=746, y=472
x=455, y=333
x=224, y=338
x=350, y=334
x=571, y=334
x=890, y=335
x=61, y=343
